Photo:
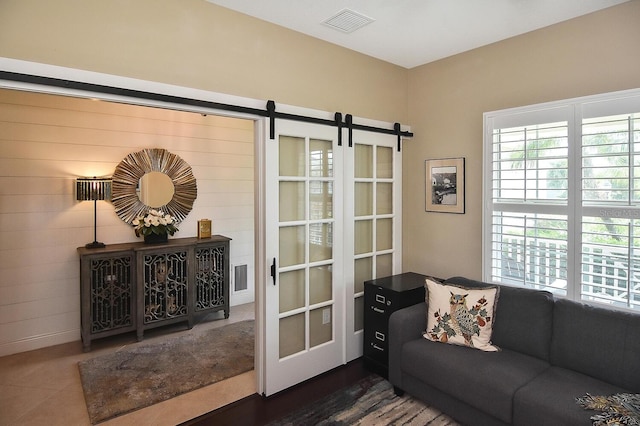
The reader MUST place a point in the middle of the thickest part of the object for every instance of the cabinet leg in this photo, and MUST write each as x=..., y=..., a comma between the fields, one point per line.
x=226, y=314
x=140, y=335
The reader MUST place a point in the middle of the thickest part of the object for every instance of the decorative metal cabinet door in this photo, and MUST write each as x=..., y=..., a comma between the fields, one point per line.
x=111, y=293
x=212, y=277
x=107, y=293
x=164, y=276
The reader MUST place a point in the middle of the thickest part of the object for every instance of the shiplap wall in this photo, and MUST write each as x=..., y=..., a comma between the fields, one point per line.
x=46, y=142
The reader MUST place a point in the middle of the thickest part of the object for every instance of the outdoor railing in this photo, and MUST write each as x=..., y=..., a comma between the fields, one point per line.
x=604, y=272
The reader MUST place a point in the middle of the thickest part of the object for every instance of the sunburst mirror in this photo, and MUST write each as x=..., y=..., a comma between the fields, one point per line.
x=153, y=178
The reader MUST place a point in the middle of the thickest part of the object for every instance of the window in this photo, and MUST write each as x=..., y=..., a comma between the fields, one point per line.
x=562, y=197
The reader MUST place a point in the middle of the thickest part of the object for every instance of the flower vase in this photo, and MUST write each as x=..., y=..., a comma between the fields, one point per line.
x=153, y=238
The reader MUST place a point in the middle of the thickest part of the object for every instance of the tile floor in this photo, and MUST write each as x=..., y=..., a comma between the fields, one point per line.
x=42, y=387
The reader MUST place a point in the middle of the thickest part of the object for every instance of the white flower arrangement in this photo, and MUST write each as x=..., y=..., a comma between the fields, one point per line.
x=155, y=222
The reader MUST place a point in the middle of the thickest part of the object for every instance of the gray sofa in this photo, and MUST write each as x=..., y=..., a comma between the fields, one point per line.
x=552, y=351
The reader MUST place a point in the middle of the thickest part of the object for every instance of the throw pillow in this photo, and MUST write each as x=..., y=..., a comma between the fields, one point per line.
x=618, y=409
x=461, y=315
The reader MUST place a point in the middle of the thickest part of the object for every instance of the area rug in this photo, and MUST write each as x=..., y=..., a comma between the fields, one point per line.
x=370, y=402
x=142, y=374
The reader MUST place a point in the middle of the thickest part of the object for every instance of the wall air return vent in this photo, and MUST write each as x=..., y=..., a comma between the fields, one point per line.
x=348, y=21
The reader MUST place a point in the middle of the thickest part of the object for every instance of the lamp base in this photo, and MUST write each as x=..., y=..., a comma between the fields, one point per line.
x=95, y=244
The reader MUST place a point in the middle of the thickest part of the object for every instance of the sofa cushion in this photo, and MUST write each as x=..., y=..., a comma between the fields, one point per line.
x=524, y=318
x=460, y=315
x=485, y=380
x=550, y=399
x=599, y=342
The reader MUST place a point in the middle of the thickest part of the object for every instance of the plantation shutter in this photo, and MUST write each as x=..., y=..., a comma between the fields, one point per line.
x=562, y=198
x=610, y=176
x=529, y=199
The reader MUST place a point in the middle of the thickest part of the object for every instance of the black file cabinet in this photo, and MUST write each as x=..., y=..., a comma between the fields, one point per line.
x=382, y=297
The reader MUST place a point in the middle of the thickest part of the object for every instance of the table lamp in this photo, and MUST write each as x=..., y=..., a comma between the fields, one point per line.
x=93, y=189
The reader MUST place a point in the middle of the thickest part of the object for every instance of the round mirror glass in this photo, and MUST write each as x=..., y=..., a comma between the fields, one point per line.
x=156, y=189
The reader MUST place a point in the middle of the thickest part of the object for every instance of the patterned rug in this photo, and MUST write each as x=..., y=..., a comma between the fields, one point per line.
x=370, y=402
x=144, y=374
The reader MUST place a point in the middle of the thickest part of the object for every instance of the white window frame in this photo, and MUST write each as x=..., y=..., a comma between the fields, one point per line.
x=572, y=111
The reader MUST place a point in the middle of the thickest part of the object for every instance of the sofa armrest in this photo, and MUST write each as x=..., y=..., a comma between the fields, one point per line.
x=404, y=325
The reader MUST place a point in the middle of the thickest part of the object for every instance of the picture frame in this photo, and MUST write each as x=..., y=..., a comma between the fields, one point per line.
x=204, y=228
x=444, y=185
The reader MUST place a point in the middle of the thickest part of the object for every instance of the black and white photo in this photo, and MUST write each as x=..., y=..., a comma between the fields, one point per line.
x=444, y=183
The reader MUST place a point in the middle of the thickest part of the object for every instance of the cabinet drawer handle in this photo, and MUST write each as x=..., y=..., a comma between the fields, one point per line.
x=374, y=346
x=378, y=310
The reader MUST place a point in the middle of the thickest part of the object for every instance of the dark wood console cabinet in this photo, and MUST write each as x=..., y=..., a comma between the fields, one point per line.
x=138, y=286
x=382, y=297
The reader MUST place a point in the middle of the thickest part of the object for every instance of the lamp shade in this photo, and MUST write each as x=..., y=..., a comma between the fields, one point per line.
x=91, y=189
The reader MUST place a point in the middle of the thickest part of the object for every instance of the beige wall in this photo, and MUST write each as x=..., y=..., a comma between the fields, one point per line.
x=588, y=55
x=197, y=44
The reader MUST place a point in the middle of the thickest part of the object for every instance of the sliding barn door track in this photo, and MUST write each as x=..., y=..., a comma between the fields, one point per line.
x=340, y=121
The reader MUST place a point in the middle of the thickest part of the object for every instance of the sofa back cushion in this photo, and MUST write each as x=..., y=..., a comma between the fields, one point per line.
x=599, y=342
x=523, y=320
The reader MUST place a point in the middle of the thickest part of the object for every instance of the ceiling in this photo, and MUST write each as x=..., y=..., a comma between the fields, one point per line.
x=414, y=32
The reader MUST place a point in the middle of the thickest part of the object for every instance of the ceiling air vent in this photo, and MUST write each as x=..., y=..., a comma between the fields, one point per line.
x=348, y=21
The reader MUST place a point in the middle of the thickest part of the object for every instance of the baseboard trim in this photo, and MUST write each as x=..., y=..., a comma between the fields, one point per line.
x=39, y=342
x=241, y=298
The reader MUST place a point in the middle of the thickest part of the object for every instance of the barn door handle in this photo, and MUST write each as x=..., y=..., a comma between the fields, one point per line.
x=273, y=271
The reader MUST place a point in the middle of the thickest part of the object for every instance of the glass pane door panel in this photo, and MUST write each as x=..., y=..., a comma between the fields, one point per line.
x=305, y=313
x=292, y=245
x=358, y=312
x=384, y=162
x=384, y=265
x=363, y=235
x=320, y=158
x=384, y=234
x=320, y=200
x=320, y=287
x=384, y=198
x=363, y=161
x=320, y=241
x=291, y=156
x=292, y=290
x=363, y=199
x=320, y=326
x=292, y=332
x=291, y=201
x=363, y=272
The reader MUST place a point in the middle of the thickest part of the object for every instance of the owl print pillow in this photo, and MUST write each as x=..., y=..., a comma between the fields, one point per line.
x=461, y=315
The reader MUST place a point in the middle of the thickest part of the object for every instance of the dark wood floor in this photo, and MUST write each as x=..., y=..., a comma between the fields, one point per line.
x=257, y=410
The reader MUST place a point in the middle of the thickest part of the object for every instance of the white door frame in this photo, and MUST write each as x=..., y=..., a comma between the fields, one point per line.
x=262, y=270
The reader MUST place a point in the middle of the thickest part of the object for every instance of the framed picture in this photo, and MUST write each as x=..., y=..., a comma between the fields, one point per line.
x=204, y=228
x=444, y=183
